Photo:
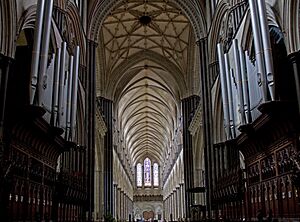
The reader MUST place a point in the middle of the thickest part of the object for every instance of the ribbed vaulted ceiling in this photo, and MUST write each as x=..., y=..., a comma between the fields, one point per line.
x=139, y=25
x=147, y=115
x=148, y=98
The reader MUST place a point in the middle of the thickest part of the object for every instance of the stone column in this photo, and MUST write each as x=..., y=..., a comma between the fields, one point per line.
x=168, y=207
x=119, y=203
x=172, y=206
x=169, y=210
x=189, y=105
x=132, y=209
x=90, y=126
x=129, y=209
x=5, y=64
x=178, y=207
x=206, y=119
x=115, y=202
x=123, y=205
x=180, y=201
x=107, y=107
x=164, y=209
x=167, y=215
x=182, y=192
x=126, y=207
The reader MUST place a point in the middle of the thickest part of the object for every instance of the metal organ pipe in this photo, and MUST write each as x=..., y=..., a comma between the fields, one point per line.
x=224, y=89
x=239, y=80
x=55, y=88
x=74, y=92
x=267, y=50
x=69, y=98
x=245, y=86
x=61, y=82
x=44, y=51
x=258, y=47
x=255, y=96
x=36, y=47
x=230, y=98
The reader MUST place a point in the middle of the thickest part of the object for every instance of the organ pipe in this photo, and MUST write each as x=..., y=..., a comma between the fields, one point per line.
x=74, y=91
x=224, y=89
x=258, y=48
x=245, y=86
x=69, y=98
x=36, y=47
x=239, y=80
x=61, y=82
x=44, y=50
x=230, y=97
x=55, y=87
x=267, y=50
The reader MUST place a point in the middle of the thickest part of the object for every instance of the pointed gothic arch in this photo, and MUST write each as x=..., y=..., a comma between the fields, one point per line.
x=74, y=27
x=291, y=21
x=8, y=27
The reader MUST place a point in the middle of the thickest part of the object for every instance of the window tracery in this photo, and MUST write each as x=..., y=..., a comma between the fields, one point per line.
x=155, y=175
x=139, y=175
x=147, y=172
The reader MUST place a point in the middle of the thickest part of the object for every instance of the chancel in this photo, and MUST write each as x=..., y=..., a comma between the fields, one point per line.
x=149, y=110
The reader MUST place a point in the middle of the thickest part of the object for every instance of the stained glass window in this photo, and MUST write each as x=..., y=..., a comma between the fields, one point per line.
x=139, y=175
x=147, y=172
x=155, y=175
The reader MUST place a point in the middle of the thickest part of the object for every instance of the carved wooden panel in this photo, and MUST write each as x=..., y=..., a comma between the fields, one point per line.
x=269, y=182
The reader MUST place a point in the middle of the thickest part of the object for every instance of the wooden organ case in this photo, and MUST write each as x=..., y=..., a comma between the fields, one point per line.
x=270, y=147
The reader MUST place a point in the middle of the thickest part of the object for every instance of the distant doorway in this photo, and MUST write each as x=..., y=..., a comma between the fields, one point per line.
x=147, y=215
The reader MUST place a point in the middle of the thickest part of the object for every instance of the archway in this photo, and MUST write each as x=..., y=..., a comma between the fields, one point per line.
x=147, y=59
